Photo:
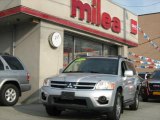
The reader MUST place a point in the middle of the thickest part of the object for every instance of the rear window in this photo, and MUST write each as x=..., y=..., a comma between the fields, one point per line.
x=1, y=65
x=13, y=62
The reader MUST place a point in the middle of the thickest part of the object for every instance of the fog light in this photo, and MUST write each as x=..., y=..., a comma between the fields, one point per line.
x=102, y=100
x=44, y=96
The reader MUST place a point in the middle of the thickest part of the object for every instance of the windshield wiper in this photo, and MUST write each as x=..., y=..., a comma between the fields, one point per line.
x=74, y=72
x=93, y=72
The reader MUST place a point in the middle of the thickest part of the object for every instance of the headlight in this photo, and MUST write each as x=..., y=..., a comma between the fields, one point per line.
x=103, y=84
x=46, y=82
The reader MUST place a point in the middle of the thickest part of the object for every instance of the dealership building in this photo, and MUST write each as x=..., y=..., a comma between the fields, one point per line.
x=47, y=34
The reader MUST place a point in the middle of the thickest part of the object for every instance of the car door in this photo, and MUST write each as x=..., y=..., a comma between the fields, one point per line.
x=132, y=81
x=127, y=83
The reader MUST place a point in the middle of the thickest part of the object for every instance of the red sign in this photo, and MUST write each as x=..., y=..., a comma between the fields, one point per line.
x=133, y=27
x=94, y=15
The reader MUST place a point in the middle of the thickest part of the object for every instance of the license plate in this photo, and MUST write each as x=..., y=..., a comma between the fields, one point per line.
x=67, y=95
x=156, y=93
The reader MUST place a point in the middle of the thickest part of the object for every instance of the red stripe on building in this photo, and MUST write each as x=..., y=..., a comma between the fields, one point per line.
x=9, y=12
x=26, y=10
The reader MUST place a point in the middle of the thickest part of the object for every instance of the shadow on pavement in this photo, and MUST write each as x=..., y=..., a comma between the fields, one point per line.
x=39, y=110
x=32, y=109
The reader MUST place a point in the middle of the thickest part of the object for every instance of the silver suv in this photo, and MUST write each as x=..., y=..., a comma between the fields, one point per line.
x=14, y=79
x=102, y=84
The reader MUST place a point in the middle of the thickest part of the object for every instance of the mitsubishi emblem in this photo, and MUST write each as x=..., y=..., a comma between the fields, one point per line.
x=69, y=85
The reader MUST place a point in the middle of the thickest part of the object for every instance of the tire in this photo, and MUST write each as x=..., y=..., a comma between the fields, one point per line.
x=135, y=105
x=9, y=95
x=117, y=109
x=52, y=111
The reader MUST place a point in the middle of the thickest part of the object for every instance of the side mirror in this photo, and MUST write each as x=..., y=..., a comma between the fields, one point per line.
x=128, y=73
x=61, y=70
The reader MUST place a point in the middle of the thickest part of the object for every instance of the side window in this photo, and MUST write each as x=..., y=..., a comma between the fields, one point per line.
x=13, y=62
x=123, y=68
x=1, y=65
x=130, y=66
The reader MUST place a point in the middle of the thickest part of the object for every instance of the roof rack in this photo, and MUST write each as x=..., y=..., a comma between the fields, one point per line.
x=117, y=56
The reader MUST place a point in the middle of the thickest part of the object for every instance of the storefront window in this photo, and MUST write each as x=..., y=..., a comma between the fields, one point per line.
x=110, y=50
x=87, y=48
x=113, y=50
x=68, y=50
x=106, y=50
x=75, y=46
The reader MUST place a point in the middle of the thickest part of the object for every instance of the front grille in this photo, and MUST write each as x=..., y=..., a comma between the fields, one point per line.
x=75, y=85
x=154, y=86
x=58, y=84
x=74, y=101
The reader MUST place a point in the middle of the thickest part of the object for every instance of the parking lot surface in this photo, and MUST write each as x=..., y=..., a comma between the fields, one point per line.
x=147, y=111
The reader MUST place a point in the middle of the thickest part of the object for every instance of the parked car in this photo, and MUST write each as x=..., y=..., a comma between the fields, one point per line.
x=14, y=79
x=102, y=84
x=151, y=86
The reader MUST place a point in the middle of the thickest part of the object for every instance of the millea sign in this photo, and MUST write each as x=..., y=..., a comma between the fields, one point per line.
x=94, y=15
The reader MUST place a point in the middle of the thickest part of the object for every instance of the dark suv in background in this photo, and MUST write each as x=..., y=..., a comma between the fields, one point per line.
x=151, y=86
x=14, y=79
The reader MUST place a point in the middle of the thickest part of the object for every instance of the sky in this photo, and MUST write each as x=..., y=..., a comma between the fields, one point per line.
x=140, y=7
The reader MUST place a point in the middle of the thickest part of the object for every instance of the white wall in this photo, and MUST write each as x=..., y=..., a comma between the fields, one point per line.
x=6, y=4
x=27, y=48
x=51, y=59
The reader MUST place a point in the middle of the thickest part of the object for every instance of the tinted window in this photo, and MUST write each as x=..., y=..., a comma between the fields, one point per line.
x=13, y=63
x=131, y=67
x=1, y=65
x=155, y=75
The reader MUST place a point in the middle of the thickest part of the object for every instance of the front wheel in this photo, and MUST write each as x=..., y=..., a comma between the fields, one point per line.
x=117, y=109
x=135, y=105
x=9, y=95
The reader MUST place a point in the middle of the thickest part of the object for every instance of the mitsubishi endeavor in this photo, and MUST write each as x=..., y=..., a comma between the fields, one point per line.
x=102, y=84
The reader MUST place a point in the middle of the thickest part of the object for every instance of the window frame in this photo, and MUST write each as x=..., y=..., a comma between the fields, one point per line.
x=1, y=63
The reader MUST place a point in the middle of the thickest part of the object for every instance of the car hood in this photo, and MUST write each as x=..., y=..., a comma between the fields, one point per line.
x=153, y=81
x=84, y=77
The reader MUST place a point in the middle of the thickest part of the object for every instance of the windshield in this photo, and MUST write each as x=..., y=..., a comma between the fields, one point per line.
x=93, y=65
x=155, y=75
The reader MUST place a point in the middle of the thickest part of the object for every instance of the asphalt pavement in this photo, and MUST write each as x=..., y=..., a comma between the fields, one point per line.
x=147, y=111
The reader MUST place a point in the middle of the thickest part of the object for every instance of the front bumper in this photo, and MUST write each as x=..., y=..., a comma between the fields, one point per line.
x=145, y=92
x=78, y=99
